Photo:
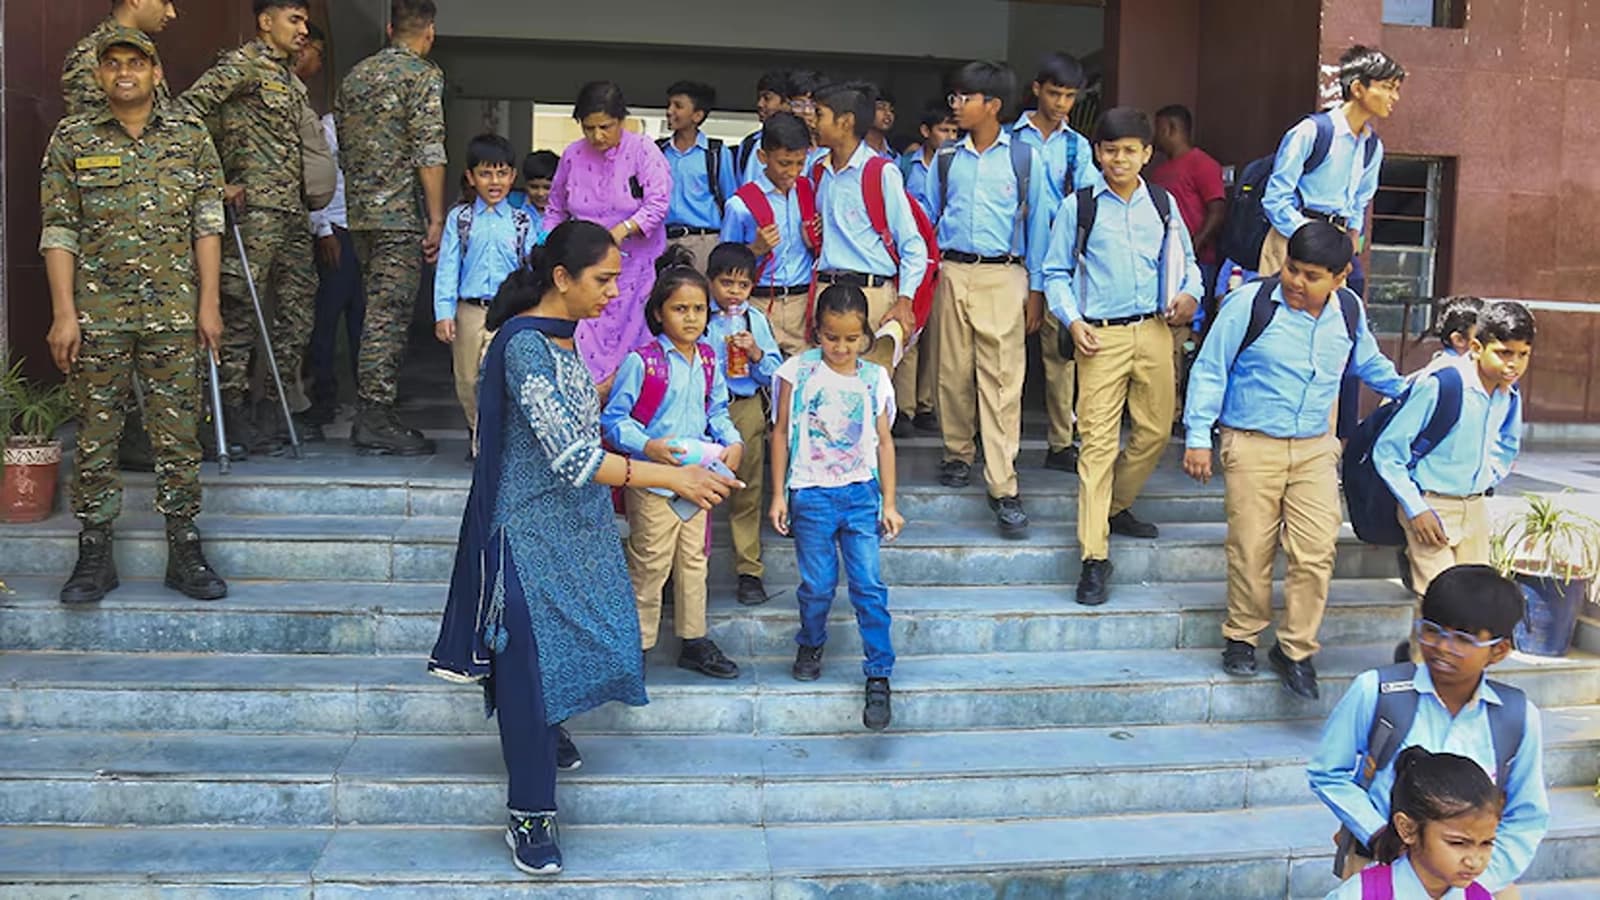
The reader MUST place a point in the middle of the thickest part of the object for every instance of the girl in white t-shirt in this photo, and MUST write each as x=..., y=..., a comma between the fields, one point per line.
x=833, y=467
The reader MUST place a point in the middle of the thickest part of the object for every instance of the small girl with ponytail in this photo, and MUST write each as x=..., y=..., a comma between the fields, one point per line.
x=1444, y=812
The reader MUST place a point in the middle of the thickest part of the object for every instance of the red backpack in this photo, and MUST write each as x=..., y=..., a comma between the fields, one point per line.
x=653, y=390
x=878, y=215
x=755, y=200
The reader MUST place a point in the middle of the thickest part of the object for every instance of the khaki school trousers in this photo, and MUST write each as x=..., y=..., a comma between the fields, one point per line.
x=661, y=544
x=982, y=343
x=1132, y=368
x=1279, y=490
x=1466, y=523
x=466, y=356
x=1274, y=253
x=787, y=316
x=745, y=507
x=1181, y=334
x=1060, y=384
x=700, y=245
x=879, y=300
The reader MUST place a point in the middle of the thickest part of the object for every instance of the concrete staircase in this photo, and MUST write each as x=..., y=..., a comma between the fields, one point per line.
x=286, y=742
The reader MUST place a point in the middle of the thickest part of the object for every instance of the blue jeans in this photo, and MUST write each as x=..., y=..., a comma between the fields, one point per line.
x=339, y=293
x=826, y=522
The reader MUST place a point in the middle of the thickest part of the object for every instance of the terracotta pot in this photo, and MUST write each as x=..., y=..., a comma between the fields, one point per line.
x=28, y=489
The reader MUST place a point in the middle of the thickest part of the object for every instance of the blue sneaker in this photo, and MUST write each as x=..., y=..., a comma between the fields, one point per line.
x=535, y=844
x=568, y=759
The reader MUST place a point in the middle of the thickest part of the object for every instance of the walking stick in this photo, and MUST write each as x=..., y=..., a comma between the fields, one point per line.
x=266, y=340
x=223, y=462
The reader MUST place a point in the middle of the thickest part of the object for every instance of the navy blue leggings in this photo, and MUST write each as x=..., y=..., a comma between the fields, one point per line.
x=526, y=740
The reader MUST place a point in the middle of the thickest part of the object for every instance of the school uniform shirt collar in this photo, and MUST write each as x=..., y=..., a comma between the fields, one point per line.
x=1406, y=883
x=672, y=349
x=858, y=158
x=765, y=185
x=481, y=207
x=700, y=143
x=1141, y=193
x=1003, y=139
x=1423, y=683
x=1341, y=125
x=1025, y=122
x=1471, y=380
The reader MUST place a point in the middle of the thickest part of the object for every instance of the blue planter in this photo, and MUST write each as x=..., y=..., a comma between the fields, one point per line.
x=1550, y=614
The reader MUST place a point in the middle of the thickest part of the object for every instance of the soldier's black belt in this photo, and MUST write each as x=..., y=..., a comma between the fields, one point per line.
x=682, y=231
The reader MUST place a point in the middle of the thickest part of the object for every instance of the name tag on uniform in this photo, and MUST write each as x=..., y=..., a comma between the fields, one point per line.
x=275, y=87
x=97, y=162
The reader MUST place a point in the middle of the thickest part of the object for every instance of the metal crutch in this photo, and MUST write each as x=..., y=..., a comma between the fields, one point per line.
x=223, y=462
x=266, y=340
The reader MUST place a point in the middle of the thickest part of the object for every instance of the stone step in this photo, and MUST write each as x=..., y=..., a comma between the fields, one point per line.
x=1273, y=852
x=387, y=695
x=346, y=617
x=166, y=779
x=398, y=548
x=1562, y=890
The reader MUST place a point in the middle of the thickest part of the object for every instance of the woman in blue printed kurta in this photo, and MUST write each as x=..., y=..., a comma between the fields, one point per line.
x=540, y=608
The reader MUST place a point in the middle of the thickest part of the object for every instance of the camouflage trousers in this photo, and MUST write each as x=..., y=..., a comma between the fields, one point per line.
x=102, y=389
x=391, y=268
x=279, y=247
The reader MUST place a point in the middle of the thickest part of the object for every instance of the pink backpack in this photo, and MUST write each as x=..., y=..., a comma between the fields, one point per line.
x=1377, y=883
x=653, y=390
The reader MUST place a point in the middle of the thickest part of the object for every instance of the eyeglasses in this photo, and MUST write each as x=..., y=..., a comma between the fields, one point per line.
x=1435, y=635
x=960, y=99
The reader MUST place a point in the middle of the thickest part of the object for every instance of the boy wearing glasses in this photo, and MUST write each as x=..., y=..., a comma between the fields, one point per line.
x=1468, y=613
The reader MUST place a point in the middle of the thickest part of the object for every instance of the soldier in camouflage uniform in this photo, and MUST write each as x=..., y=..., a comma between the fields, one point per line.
x=80, y=88
x=131, y=200
x=390, y=121
x=252, y=103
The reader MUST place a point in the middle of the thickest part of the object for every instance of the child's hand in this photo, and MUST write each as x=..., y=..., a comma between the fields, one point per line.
x=445, y=330
x=733, y=456
x=778, y=515
x=746, y=341
x=890, y=522
x=1429, y=530
x=661, y=450
x=766, y=239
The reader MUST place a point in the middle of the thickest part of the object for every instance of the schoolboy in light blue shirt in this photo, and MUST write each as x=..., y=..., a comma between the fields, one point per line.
x=694, y=213
x=992, y=239
x=1274, y=401
x=1068, y=157
x=852, y=252
x=1118, y=303
x=783, y=284
x=938, y=128
x=1441, y=497
x=1342, y=187
x=770, y=90
x=499, y=238
x=1466, y=622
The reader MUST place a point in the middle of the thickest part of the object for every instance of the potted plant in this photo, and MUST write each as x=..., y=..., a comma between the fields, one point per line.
x=30, y=414
x=1553, y=553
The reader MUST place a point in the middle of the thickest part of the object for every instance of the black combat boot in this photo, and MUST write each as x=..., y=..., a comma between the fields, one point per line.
x=378, y=431
x=239, y=425
x=187, y=570
x=95, y=575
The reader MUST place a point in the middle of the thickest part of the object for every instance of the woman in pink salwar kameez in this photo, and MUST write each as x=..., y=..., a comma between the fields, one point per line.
x=619, y=180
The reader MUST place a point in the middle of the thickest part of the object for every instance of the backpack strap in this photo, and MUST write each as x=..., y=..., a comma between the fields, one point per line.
x=810, y=222
x=877, y=210
x=708, y=366
x=1374, y=144
x=1391, y=719
x=1476, y=891
x=524, y=227
x=755, y=200
x=945, y=159
x=1262, y=309
x=714, y=171
x=747, y=149
x=661, y=143
x=1087, y=207
x=1446, y=413
x=1507, y=722
x=1072, y=164
x=817, y=171
x=1163, y=204
x=1377, y=883
x=1022, y=169
x=653, y=389
x=1321, y=144
x=464, y=225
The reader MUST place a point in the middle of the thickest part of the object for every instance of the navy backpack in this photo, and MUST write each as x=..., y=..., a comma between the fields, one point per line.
x=1373, y=508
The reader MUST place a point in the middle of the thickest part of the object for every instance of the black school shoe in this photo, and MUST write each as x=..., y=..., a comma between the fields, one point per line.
x=568, y=759
x=703, y=656
x=751, y=591
x=1009, y=516
x=1299, y=677
x=953, y=473
x=876, y=714
x=926, y=422
x=1063, y=460
x=1094, y=582
x=1125, y=524
x=807, y=663
x=902, y=427
x=1239, y=659
x=535, y=843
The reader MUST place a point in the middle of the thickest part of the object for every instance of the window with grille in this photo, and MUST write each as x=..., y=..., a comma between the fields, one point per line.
x=1424, y=13
x=1405, y=240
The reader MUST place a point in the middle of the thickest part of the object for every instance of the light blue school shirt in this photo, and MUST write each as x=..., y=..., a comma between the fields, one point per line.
x=848, y=242
x=733, y=320
x=693, y=202
x=790, y=263
x=492, y=254
x=983, y=212
x=1286, y=383
x=684, y=412
x=1120, y=273
x=1474, y=456
x=1340, y=186
x=1332, y=770
x=916, y=174
x=1058, y=148
x=1403, y=878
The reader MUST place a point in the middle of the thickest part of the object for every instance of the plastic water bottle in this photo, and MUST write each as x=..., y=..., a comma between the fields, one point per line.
x=1235, y=279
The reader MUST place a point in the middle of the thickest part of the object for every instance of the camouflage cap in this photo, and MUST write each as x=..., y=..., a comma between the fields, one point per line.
x=126, y=37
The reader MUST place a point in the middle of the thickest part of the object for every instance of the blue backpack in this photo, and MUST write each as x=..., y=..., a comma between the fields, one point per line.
x=1372, y=504
x=1246, y=227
